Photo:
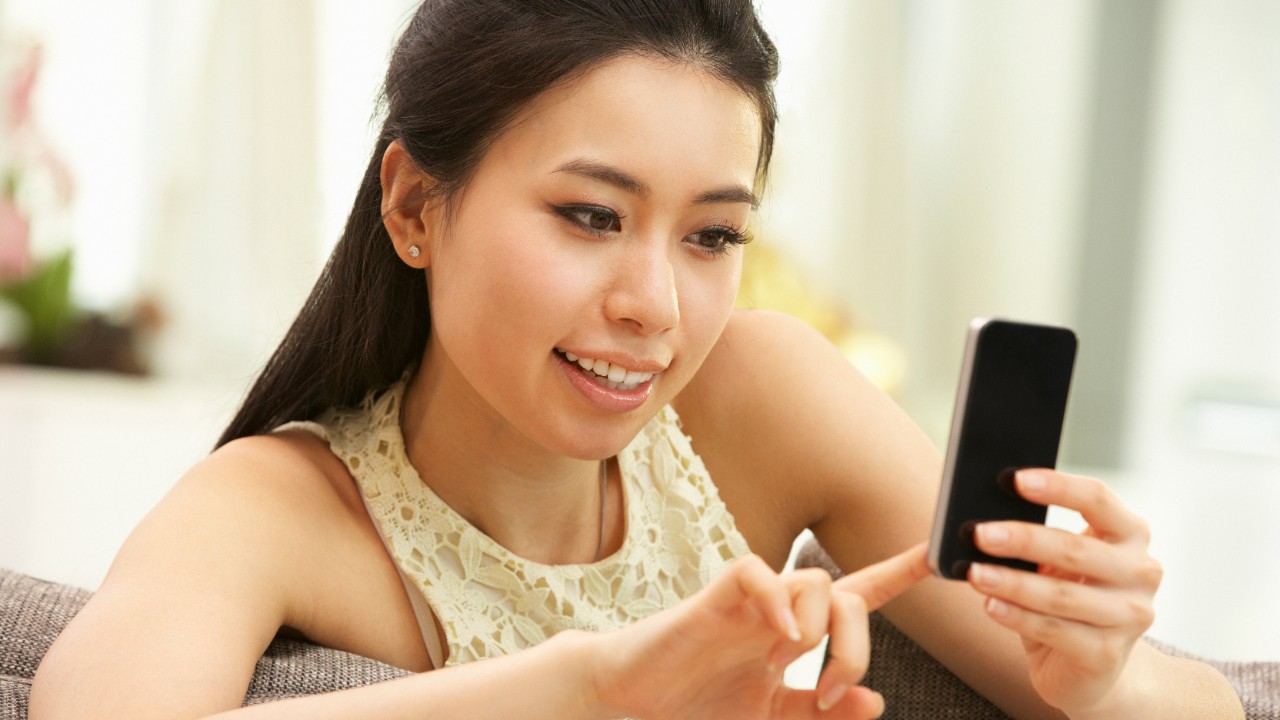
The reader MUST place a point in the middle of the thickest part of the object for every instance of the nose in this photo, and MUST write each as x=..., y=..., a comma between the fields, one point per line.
x=643, y=295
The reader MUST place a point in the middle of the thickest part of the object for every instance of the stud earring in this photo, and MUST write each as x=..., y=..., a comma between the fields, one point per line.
x=414, y=252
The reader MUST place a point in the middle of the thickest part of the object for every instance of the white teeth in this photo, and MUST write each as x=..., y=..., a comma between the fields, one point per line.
x=611, y=376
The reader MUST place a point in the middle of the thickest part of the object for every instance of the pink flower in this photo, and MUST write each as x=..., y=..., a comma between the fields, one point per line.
x=22, y=83
x=30, y=149
x=15, y=255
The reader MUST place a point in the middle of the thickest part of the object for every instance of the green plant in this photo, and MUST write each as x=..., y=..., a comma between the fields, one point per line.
x=44, y=297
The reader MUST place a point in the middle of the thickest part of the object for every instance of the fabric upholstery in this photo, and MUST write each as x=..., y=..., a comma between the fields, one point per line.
x=32, y=613
x=291, y=668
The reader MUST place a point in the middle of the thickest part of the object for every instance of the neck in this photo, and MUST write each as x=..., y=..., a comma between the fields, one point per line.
x=540, y=505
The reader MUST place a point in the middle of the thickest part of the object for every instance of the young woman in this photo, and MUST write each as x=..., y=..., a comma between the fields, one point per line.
x=492, y=434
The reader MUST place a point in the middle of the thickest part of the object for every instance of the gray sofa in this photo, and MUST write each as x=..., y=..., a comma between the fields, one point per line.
x=33, y=612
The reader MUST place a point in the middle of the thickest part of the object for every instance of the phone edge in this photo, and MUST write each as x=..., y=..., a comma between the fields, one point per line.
x=943, y=500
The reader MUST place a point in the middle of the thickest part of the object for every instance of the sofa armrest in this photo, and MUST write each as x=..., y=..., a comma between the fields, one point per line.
x=909, y=678
x=13, y=697
x=33, y=612
x=290, y=668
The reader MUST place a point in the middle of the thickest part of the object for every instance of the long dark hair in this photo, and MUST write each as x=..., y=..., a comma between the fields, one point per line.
x=459, y=73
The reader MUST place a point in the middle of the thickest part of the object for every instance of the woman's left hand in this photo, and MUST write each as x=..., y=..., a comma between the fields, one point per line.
x=1081, y=615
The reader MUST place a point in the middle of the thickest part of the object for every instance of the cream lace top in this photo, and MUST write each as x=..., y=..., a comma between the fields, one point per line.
x=490, y=602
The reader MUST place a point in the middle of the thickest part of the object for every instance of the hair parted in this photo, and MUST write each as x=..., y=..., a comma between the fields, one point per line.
x=459, y=74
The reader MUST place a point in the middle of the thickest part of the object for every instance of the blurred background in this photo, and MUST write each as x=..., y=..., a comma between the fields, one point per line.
x=173, y=175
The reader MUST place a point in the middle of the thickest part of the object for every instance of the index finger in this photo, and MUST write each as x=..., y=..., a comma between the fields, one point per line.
x=1096, y=503
x=879, y=583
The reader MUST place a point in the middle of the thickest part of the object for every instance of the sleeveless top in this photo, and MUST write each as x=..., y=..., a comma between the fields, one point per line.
x=489, y=601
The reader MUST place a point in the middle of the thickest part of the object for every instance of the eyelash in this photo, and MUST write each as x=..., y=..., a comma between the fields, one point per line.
x=577, y=214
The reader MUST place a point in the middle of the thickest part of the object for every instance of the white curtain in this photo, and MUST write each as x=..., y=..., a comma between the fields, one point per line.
x=231, y=248
x=929, y=166
x=1206, y=417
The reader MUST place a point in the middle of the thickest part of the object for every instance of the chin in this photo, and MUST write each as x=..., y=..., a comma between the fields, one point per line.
x=600, y=439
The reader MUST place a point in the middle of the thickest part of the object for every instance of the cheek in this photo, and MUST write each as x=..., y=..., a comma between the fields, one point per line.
x=706, y=301
x=537, y=279
x=716, y=286
x=501, y=291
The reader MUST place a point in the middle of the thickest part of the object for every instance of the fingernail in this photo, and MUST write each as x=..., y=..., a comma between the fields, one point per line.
x=833, y=695
x=1031, y=481
x=792, y=628
x=997, y=608
x=778, y=661
x=985, y=576
x=993, y=535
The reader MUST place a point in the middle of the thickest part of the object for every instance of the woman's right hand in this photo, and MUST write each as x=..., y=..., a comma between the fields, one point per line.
x=722, y=652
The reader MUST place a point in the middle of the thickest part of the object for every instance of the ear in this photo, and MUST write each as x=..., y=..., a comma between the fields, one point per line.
x=406, y=213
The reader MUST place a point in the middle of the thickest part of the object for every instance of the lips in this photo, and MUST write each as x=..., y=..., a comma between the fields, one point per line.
x=630, y=393
x=607, y=374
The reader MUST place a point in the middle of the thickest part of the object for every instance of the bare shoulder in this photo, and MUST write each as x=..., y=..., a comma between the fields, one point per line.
x=759, y=346
x=778, y=404
x=254, y=505
x=260, y=535
x=779, y=386
x=245, y=513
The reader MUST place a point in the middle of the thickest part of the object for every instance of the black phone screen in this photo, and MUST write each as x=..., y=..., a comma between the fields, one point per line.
x=1009, y=413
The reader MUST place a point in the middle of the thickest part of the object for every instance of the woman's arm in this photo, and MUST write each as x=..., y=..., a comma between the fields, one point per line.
x=255, y=538
x=719, y=654
x=192, y=599
x=246, y=544
x=821, y=443
x=548, y=680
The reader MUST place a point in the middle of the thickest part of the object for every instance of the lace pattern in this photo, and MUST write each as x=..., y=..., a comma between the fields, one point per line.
x=490, y=602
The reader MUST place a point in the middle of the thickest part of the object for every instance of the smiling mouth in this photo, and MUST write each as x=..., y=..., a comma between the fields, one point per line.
x=605, y=374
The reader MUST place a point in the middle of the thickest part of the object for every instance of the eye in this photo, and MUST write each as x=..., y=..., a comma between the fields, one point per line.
x=594, y=219
x=717, y=240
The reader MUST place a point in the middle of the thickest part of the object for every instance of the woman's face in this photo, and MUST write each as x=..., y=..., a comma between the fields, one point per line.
x=601, y=229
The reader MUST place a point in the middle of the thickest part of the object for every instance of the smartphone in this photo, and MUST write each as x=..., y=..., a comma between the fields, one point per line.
x=1008, y=415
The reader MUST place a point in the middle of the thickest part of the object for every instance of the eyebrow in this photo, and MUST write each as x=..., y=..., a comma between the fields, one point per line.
x=620, y=179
